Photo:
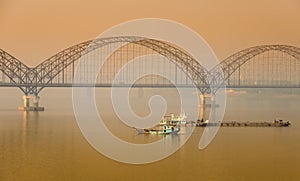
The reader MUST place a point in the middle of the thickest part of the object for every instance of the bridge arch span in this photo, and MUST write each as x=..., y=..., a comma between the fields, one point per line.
x=50, y=68
x=222, y=72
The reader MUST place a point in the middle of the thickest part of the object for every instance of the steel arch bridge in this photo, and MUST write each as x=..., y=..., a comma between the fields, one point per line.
x=52, y=71
x=256, y=67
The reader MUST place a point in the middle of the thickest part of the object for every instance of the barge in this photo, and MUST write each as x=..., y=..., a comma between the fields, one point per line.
x=275, y=123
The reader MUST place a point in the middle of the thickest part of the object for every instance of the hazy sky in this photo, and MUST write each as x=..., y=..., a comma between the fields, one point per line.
x=33, y=30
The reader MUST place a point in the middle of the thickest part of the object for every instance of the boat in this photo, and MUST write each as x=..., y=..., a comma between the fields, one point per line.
x=164, y=130
x=202, y=123
x=173, y=120
x=168, y=125
x=281, y=123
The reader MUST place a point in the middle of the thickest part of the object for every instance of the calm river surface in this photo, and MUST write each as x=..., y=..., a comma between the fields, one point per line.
x=49, y=145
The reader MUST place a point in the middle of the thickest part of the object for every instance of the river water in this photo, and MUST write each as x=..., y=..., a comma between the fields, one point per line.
x=49, y=145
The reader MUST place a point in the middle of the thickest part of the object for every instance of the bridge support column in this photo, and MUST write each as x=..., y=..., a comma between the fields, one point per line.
x=213, y=101
x=36, y=101
x=31, y=103
x=202, y=107
x=26, y=101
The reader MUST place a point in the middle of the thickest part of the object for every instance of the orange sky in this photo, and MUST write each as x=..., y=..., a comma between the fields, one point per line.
x=33, y=30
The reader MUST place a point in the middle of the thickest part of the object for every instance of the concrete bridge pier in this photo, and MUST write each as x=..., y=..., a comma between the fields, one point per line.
x=31, y=103
x=202, y=107
x=211, y=104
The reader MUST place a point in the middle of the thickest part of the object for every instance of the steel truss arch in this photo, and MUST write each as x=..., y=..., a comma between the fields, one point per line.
x=222, y=72
x=50, y=68
x=14, y=69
